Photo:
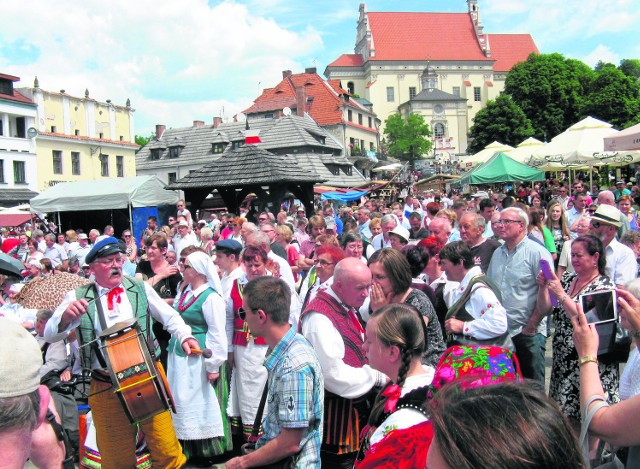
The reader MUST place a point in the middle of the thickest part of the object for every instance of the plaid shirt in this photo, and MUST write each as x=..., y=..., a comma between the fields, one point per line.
x=295, y=396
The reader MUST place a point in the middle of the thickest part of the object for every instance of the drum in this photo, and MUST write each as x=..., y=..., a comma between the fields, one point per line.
x=139, y=381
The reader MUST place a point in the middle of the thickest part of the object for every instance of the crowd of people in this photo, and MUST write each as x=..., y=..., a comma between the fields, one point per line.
x=338, y=337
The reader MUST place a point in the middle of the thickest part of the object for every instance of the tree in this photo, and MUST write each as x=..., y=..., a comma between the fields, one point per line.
x=407, y=139
x=630, y=67
x=550, y=89
x=500, y=120
x=613, y=97
x=142, y=141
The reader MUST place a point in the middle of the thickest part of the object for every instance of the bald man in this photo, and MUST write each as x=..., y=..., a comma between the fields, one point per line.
x=608, y=198
x=334, y=328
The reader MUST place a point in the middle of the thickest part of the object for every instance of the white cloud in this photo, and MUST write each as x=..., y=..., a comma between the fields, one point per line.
x=187, y=54
x=601, y=53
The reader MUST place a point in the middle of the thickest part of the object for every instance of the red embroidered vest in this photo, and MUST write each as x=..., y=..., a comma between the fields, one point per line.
x=328, y=306
x=241, y=332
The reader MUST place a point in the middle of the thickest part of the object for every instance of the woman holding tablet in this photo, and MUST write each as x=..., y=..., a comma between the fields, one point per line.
x=588, y=259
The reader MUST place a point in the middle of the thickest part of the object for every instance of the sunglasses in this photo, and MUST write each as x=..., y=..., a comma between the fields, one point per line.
x=182, y=259
x=592, y=210
x=243, y=313
x=596, y=224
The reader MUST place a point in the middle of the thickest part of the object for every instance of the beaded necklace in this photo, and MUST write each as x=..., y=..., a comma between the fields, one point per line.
x=181, y=306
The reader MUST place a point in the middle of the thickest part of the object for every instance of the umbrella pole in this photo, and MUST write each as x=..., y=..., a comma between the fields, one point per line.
x=130, y=220
x=59, y=223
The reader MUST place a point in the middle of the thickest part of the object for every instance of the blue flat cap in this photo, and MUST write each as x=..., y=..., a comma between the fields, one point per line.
x=229, y=245
x=103, y=248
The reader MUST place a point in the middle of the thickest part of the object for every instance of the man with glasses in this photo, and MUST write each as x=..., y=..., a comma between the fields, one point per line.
x=183, y=237
x=295, y=386
x=91, y=308
x=513, y=268
x=270, y=230
x=332, y=325
x=563, y=196
x=621, y=265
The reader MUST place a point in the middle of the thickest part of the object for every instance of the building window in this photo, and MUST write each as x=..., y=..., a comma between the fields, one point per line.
x=101, y=135
x=104, y=165
x=371, y=147
x=390, y=94
x=19, y=176
x=477, y=96
x=351, y=88
x=334, y=169
x=120, y=165
x=370, y=122
x=350, y=115
x=438, y=108
x=217, y=147
x=362, y=145
x=172, y=177
x=174, y=152
x=456, y=91
x=75, y=163
x=155, y=154
x=438, y=130
x=1, y=127
x=236, y=145
x=77, y=132
x=412, y=92
x=53, y=129
x=57, y=162
x=2, y=172
x=359, y=119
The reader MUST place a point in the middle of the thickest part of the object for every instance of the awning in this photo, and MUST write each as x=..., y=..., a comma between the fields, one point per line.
x=14, y=219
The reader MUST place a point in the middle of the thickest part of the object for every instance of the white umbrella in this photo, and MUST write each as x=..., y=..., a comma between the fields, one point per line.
x=627, y=139
x=389, y=167
x=525, y=150
x=484, y=154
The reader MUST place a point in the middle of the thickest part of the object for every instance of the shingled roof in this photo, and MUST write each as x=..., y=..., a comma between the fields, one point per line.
x=246, y=166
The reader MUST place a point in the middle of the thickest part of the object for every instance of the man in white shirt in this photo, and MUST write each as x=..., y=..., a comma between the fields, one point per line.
x=183, y=237
x=261, y=240
x=54, y=252
x=621, y=261
x=381, y=240
x=82, y=250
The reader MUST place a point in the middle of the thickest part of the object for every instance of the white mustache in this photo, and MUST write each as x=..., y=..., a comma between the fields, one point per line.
x=114, y=271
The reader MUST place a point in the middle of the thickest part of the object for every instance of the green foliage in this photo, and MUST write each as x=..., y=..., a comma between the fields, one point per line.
x=142, y=141
x=630, y=67
x=500, y=120
x=407, y=139
x=613, y=97
x=550, y=89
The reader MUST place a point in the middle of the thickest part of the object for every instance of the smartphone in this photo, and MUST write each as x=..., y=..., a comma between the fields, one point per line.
x=600, y=306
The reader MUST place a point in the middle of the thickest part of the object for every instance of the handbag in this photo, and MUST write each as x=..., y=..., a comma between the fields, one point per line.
x=615, y=342
x=607, y=459
x=286, y=463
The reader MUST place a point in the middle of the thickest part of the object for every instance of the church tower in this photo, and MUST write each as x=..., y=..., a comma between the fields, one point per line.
x=429, y=79
x=483, y=39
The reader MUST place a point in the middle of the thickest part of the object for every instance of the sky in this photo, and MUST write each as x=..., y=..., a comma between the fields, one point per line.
x=186, y=60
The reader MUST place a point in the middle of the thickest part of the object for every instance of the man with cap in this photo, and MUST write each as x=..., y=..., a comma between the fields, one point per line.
x=621, y=261
x=24, y=431
x=620, y=190
x=96, y=306
x=607, y=198
x=82, y=250
x=183, y=237
x=228, y=261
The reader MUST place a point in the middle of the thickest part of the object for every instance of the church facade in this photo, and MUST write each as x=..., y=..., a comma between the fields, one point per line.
x=441, y=65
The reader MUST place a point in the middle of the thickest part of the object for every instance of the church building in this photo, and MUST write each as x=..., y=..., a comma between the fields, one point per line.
x=441, y=65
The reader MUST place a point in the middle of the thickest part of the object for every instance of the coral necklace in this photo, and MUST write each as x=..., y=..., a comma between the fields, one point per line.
x=181, y=306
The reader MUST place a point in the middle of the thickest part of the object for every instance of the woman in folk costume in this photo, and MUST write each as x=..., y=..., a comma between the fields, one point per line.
x=246, y=352
x=199, y=384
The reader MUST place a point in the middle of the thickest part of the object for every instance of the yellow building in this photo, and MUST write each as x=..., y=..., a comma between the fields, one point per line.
x=393, y=49
x=81, y=139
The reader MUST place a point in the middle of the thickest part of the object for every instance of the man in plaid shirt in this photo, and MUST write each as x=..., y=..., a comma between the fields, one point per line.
x=293, y=424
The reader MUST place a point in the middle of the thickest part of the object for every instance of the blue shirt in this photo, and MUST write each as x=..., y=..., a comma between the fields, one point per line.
x=295, y=396
x=514, y=273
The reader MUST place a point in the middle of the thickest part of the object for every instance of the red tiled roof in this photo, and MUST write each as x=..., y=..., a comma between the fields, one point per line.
x=347, y=60
x=424, y=36
x=17, y=96
x=9, y=77
x=509, y=49
x=324, y=108
x=88, y=139
x=362, y=127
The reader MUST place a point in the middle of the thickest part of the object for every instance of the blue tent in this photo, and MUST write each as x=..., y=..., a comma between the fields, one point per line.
x=343, y=197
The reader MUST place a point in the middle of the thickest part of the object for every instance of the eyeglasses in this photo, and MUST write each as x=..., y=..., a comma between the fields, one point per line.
x=182, y=259
x=127, y=236
x=262, y=219
x=243, y=313
x=322, y=262
x=505, y=222
x=592, y=210
x=111, y=262
x=187, y=266
x=596, y=224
